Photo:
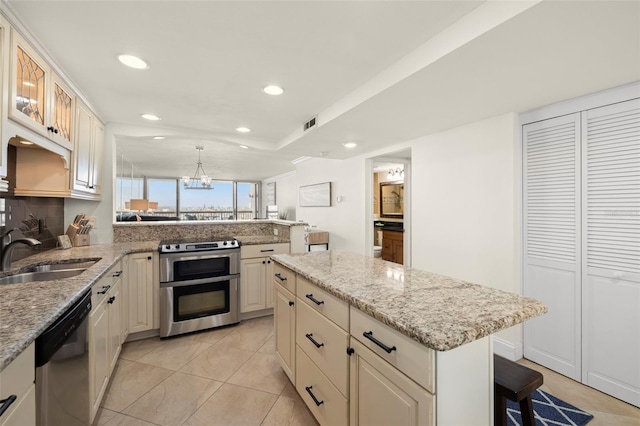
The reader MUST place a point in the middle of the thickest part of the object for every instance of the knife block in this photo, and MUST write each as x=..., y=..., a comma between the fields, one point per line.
x=77, y=240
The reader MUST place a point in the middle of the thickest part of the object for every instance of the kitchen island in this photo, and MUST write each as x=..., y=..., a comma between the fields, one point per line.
x=365, y=340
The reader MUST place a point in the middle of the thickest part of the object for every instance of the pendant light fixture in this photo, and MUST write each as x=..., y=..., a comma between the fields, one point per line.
x=200, y=180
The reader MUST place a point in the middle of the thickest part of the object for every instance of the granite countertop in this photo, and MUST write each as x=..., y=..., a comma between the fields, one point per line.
x=251, y=240
x=27, y=309
x=438, y=311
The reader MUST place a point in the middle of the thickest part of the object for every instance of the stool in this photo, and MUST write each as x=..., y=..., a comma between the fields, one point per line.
x=515, y=382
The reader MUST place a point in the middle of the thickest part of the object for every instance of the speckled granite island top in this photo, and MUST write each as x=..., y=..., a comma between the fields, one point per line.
x=438, y=311
x=27, y=309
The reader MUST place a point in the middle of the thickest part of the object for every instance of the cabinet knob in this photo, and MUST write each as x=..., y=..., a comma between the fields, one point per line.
x=111, y=300
x=263, y=262
x=52, y=129
x=148, y=257
x=291, y=303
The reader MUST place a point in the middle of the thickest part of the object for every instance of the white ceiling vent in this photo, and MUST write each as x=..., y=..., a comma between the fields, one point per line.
x=308, y=125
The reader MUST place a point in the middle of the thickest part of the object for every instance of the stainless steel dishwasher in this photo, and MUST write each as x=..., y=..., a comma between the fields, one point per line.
x=62, y=369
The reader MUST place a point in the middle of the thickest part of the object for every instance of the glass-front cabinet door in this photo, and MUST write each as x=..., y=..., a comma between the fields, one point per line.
x=29, y=86
x=61, y=112
x=40, y=99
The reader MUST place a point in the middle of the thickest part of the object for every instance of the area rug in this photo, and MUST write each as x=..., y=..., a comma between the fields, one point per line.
x=548, y=411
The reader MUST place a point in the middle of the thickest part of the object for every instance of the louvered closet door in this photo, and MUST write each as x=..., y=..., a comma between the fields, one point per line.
x=552, y=242
x=611, y=250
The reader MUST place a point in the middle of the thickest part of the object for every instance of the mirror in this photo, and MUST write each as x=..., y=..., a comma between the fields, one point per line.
x=392, y=199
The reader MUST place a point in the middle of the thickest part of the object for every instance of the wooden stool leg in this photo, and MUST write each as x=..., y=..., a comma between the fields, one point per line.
x=526, y=409
x=499, y=410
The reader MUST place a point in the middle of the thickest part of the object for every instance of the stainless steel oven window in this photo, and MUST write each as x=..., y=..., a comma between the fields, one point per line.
x=201, y=300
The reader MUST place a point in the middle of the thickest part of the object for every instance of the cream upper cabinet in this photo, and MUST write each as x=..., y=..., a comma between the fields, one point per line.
x=39, y=99
x=87, y=156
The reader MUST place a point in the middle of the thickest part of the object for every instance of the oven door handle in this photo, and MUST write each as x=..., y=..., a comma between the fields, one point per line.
x=200, y=281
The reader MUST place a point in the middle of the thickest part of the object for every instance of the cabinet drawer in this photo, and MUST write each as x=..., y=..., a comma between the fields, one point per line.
x=285, y=277
x=263, y=250
x=333, y=308
x=334, y=408
x=17, y=379
x=329, y=352
x=100, y=289
x=410, y=357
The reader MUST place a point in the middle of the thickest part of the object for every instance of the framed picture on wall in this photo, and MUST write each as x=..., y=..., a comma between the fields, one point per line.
x=270, y=194
x=318, y=195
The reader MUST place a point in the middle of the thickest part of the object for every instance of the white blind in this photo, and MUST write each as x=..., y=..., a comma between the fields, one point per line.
x=612, y=189
x=550, y=188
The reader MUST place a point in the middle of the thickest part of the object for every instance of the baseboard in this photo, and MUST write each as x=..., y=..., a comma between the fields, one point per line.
x=507, y=349
x=143, y=335
x=256, y=314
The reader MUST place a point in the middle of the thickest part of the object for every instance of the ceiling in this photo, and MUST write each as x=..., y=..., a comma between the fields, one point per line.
x=375, y=72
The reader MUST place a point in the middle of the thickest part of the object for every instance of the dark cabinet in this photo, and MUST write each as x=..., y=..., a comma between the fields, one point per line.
x=393, y=246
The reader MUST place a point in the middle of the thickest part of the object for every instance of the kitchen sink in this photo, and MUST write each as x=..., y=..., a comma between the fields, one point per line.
x=26, y=277
x=49, y=272
x=81, y=264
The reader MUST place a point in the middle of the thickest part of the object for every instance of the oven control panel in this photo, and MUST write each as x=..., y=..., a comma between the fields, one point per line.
x=198, y=246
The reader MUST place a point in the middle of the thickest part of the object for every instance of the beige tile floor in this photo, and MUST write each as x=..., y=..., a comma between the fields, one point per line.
x=227, y=376
x=606, y=410
x=230, y=376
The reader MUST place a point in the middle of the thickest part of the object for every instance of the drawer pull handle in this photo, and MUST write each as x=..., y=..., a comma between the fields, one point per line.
x=310, y=337
x=105, y=289
x=265, y=251
x=6, y=403
x=314, y=300
x=369, y=335
x=280, y=277
x=291, y=303
x=117, y=273
x=318, y=403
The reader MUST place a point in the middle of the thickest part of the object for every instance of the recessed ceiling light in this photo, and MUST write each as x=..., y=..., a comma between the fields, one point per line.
x=243, y=129
x=349, y=144
x=243, y=146
x=273, y=90
x=150, y=117
x=158, y=138
x=24, y=142
x=133, y=62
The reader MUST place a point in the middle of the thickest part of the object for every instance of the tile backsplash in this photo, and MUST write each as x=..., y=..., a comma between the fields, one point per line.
x=35, y=217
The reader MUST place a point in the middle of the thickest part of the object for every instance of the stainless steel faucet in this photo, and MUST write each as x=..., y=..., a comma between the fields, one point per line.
x=8, y=246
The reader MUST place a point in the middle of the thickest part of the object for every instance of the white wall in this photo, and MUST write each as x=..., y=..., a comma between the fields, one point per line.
x=465, y=206
x=286, y=194
x=344, y=220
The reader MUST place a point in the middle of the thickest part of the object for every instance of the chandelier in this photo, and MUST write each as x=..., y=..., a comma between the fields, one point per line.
x=200, y=180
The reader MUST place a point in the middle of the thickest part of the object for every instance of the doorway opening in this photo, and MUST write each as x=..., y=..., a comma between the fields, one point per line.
x=388, y=215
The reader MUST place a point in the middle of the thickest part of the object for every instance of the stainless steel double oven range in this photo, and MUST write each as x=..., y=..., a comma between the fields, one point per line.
x=199, y=285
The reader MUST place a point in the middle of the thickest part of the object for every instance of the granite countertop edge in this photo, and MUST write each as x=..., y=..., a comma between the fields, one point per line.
x=532, y=309
x=27, y=309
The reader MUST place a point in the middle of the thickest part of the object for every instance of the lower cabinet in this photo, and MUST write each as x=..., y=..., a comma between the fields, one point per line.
x=256, y=275
x=393, y=246
x=350, y=368
x=17, y=381
x=105, y=335
x=124, y=300
x=285, y=329
x=140, y=280
x=381, y=395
